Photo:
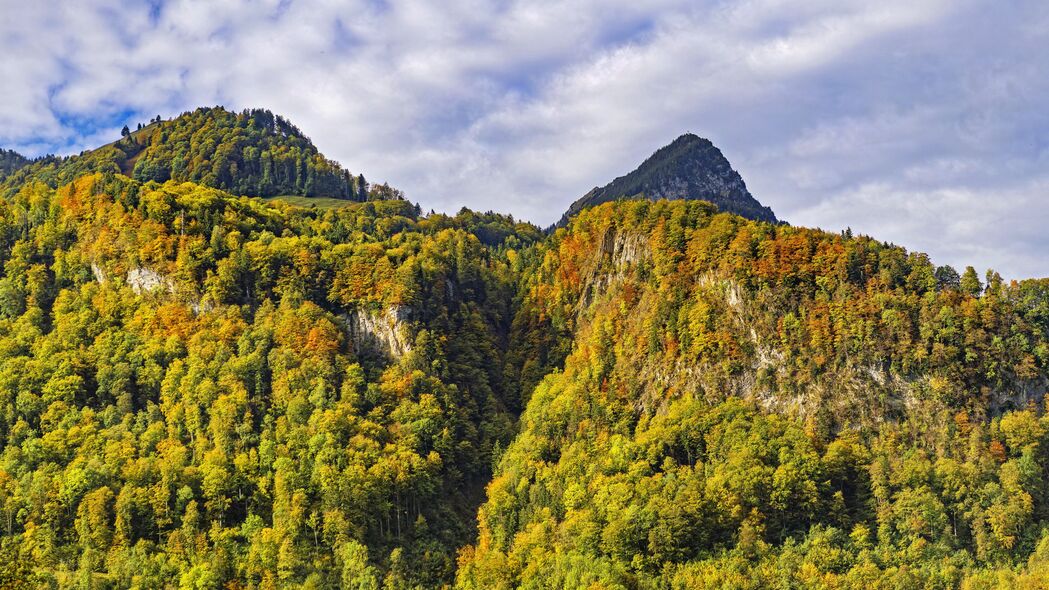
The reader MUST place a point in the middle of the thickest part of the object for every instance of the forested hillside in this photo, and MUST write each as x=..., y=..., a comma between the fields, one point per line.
x=204, y=389
x=749, y=405
x=253, y=153
x=198, y=389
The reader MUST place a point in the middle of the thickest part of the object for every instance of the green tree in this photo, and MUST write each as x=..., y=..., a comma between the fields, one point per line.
x=970, y=282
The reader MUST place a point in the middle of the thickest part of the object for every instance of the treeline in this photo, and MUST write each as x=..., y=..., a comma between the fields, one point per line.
x=749, y=405
x=252, y=153
x=10, y=161
x=222, y=426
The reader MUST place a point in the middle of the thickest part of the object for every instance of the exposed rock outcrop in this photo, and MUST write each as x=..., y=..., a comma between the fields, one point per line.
x=385, y=332
x=98, y=273
x=619, y=254
x=144, y=280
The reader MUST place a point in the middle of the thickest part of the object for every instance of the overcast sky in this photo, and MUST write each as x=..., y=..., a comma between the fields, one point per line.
x=920, y=122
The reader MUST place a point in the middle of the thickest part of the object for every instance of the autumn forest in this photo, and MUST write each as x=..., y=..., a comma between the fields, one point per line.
x=226, y=362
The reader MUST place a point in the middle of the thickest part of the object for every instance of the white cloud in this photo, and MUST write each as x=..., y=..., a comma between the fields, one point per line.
x=916, y=122
x=1001, y=228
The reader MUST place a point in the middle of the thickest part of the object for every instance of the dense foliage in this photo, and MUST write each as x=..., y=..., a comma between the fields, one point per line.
x=253, y=153
x=223, y=420
x=748, y=405
x=10, y=161
x=204, y=390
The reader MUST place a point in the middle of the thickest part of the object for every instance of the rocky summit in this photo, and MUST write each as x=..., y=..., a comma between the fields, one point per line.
x=690, y=167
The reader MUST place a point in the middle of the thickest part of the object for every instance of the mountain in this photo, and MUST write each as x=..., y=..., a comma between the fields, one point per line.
x=690, y=167
x=214, y=389
x=199, y=389
x=251, y=153
x=735, y=404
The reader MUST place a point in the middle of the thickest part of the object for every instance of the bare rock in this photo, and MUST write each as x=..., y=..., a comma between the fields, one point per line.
x=145, y=280
x=385, y=331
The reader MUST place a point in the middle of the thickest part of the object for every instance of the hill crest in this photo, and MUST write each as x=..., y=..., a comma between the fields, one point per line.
x=249, y=153
x=690, y=167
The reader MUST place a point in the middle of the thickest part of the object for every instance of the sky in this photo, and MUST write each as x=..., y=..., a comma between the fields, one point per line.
x=918, y=122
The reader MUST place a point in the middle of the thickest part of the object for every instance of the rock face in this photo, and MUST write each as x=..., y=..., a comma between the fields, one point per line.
x=98, y=273
x=144, y=280
x=384, y=332
x=689, y=168
x=614, y=260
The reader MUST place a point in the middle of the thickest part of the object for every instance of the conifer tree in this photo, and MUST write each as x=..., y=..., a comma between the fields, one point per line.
x=970, y=282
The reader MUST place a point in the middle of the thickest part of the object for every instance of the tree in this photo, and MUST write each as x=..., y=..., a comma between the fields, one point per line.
x=125, y=131
x=947, y=278
x=994, y=282
x=970, y=282
x=385, y=192
x=356, y=573
x=362, y=188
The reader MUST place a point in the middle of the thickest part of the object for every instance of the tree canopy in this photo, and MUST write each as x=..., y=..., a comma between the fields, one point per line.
x=253, y=153
x=726, y=403
x=236, y=417
x=203, y=389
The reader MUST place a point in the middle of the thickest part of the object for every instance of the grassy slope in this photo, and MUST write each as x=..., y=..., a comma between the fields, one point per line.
x=320, y=202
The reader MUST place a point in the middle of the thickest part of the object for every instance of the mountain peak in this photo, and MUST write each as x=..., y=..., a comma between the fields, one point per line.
x=689, y=137
x=252, y=152
x=690, y=167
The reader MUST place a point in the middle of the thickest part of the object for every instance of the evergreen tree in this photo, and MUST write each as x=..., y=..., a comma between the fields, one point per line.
x=970, y=282
x=947, y=278
x=362, y=188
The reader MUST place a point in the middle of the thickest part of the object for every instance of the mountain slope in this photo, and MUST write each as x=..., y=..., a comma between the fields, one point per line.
x=252, y=153
x=198, y=388
x=205, y=390
x=690, y=167
x=751, y=405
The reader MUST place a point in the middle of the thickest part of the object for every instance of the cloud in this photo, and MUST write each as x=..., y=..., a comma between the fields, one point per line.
x=917, y=122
